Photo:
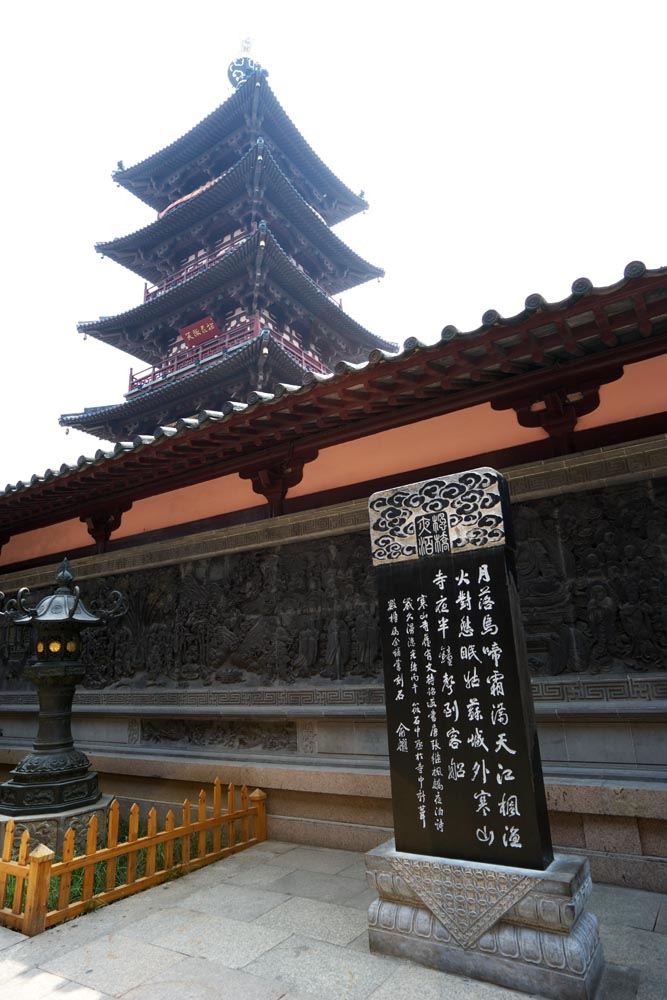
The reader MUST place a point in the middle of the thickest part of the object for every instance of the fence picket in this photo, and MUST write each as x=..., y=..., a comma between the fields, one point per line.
x=112, y=840
x=151, y=830
x=37, y=895
x=185, y=839
x=201, y=815
x=132, y=835
x=244, y=807
x=91, y=848
x=66, y=878
x=24, y=848
x=7, y=848
x=231, y=805
x=169, y=844
x=258, y=797
x=217, y=811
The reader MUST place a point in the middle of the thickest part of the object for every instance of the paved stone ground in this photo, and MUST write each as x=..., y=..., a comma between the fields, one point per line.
x=284, y=921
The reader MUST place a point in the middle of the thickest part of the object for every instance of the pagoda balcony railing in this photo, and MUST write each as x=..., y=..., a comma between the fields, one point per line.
x=190, y=359
x=193, y=267
x=217, y=251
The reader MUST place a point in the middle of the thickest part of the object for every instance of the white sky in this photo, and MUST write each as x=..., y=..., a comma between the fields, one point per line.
x=505, y=148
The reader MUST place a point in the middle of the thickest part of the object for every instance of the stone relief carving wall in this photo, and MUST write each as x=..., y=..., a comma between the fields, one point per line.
x=592, y=570
x=272, y=617
x=248, y=737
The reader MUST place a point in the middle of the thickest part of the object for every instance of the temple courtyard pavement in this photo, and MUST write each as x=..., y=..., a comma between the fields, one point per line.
x=284, y=921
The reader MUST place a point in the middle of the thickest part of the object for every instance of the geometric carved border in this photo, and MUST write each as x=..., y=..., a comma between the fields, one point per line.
x=466, y=901
x=599, y=690
x=545, y=690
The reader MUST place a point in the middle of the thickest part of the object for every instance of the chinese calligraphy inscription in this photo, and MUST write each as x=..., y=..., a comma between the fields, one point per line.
x=466, y=774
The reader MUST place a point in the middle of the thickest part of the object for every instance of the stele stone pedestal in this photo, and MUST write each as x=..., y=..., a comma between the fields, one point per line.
x=50, y=828
x=470, y=885
x=522, y=929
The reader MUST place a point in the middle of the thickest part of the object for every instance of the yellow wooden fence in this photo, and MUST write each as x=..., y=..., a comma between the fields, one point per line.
x=36, y=891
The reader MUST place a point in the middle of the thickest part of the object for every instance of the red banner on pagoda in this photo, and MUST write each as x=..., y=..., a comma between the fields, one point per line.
x=198, y=333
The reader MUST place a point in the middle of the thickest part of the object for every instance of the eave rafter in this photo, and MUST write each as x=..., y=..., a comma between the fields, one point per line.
x=558, y=354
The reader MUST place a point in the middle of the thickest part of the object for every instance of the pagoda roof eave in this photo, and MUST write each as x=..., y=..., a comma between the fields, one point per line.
x=213, y=198
x=225, y=118
x=232, y=264
x=544, y=347
x=94, y=420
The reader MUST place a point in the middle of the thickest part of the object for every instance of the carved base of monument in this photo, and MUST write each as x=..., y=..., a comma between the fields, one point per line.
x=50, y=828
x=522, y=929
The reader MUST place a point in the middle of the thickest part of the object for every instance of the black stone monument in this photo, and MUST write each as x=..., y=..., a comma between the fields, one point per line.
x=465, y=764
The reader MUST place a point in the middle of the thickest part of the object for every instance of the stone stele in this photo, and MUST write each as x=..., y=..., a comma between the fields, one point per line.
x=520, y=928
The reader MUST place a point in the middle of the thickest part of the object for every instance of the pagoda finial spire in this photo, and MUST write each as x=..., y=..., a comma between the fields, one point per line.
x=243, y=66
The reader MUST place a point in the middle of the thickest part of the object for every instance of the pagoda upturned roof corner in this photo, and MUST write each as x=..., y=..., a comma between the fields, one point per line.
x=194, y=379
x=256, y=171
x=255, y=108
x=123, y=330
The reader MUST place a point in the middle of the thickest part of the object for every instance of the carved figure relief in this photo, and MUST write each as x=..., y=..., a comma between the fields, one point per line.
x=264, y=736
x=592, y=573
x=591, y=569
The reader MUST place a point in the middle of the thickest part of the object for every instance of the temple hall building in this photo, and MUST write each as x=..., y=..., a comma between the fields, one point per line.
x=232, y=507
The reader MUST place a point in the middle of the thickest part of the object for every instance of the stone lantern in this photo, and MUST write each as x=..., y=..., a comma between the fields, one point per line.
x=55, y=776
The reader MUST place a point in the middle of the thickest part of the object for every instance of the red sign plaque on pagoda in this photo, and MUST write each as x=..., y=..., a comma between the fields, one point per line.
x=199, y=332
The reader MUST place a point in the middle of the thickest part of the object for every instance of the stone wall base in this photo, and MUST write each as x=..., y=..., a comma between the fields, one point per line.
x=621, y=827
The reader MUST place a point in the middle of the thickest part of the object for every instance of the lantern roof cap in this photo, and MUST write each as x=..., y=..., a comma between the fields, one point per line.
x=64, y=605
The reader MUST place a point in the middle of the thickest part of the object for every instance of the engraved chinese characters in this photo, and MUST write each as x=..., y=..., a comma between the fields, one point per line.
x=465, y=767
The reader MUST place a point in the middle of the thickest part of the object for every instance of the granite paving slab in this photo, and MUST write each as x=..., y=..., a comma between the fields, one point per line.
x=234, y=943
x=635, y=948
x=427, y=984
x=113, y=963
x=650, y=988
x=323, y=860
x=262, y=874
x=315, y=885
x=356, y=870
x=116, y=918
x=238, y=902
x=661, y=920
x=328, y=971
x=35, y=984
x=255, y=856
x=8, y=938
x=13, y=964
x=361, y=944
x=273, y=847
x=73, y=991
x=638, y=908
x=204, y=979
x=362, y=900
x=314, y=918
x=618, y=983
x=299, y=995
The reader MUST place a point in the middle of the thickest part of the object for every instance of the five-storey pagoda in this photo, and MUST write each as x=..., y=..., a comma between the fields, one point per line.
x=241, y=267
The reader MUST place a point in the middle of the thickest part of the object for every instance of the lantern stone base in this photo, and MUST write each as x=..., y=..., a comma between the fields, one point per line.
x=522, y=929
x=50, y=828
x=23, y=795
